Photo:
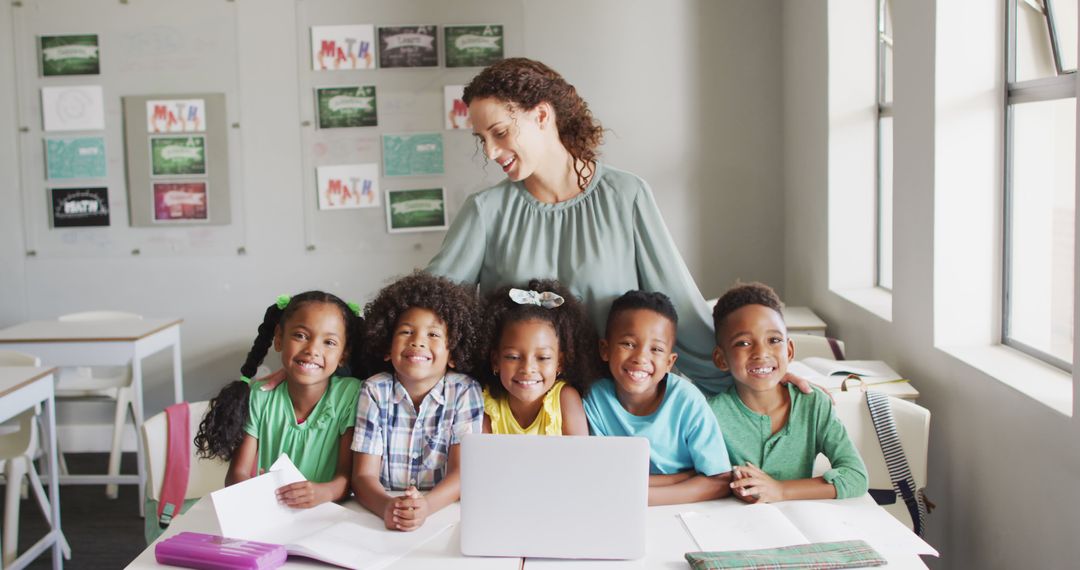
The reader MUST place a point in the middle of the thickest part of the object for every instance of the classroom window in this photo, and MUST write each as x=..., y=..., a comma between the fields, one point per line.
x=1040, y=180
x=884, y=182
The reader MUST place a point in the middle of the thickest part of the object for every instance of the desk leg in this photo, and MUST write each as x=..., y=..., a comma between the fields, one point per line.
x=49, y=438
x=137, y=409
x=178, y=375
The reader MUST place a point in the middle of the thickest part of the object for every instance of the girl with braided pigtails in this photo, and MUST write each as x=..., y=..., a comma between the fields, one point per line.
x=310, y=416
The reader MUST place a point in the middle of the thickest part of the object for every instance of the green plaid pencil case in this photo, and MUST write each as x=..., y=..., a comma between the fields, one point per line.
x=819, y=556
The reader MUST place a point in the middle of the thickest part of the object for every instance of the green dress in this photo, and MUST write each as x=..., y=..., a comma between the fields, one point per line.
x=601, y=243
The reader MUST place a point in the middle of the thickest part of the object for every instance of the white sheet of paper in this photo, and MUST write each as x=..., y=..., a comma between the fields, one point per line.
x=73, y=108
x=830, y=522
x=747, y=528
x=250, y=509
x=800, y=369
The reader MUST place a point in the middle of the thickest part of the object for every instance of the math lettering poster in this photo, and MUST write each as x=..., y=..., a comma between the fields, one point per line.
x=176, y=116
x=178, y=156
x=79, y=207
x=74, y=157
x=344, y=107
x=73, y=108
x=348, y=186
x=180, y=201
x=408, y=46
x=419, y=154
x=455, y=109
x=415, y=210
x=70, y=55
x=342, y=47
x=473, y=46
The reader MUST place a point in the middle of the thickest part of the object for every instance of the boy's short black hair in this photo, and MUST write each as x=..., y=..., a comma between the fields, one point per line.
x=741, y=295
x=652, y=300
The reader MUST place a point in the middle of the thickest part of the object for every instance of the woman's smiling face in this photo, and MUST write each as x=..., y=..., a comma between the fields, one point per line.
x=511, y=136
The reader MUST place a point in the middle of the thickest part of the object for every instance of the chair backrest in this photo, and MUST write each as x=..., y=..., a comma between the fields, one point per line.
x=807, y=345
x=14, y=358
x=24, y=441
x=207, y=475
x=913, y=427
x=98, y=316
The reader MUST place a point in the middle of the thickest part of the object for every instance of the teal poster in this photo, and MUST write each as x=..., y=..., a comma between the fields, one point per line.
x=75, y=157
x=419, y=154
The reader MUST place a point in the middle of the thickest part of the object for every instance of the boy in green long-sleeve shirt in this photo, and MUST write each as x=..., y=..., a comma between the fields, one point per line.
x=774, y=432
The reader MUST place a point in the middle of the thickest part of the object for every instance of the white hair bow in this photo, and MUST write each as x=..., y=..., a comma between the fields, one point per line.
x=547, y=299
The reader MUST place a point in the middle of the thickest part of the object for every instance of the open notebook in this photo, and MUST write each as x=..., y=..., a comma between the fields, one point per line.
x=329, y=532
x=831, y=373
x=750, y=527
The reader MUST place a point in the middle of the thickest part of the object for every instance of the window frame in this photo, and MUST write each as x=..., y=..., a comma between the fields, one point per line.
x=884, y=110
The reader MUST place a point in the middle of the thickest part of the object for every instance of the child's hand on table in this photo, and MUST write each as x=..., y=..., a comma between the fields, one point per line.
x=410, y=510
x=753, y=485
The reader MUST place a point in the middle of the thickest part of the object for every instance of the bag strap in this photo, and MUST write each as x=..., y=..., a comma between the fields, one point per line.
x=177, y=463
x=899, y=470
x=834, y=346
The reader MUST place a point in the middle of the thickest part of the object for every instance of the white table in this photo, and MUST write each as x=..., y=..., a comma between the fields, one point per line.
x=103, y=343
x=443, y=551
x=21, y=388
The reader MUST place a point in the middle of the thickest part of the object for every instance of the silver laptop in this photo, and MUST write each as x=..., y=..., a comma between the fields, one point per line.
x=554, y=497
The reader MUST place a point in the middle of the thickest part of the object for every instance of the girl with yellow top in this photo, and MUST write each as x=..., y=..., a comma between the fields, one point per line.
x=541, y=356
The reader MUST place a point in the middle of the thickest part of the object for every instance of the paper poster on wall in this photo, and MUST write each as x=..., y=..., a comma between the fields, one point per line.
x=473, y=46
x=79, y=207
x=69, y=55
x=408, y=46
x=178, y=155
x=415, y=210
x=180, y=201
x=176, y=116
x=74, y=157
x=419, y=154
x=457, y=112
x=344, y=107
x=73, y=108
x=348, y=186
x=343, y=47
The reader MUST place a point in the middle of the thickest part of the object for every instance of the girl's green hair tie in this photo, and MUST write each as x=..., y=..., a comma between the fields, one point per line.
x=245, y=380
x=283, y=301
x=354, y=307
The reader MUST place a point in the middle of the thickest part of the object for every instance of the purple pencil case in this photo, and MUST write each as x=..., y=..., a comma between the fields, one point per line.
x=212, y=552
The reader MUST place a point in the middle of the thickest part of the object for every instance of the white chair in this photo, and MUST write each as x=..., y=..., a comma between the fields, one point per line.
x=808, y=345
x=913, y=427
x=110, y=383
x=205, y=475
x=18, y=450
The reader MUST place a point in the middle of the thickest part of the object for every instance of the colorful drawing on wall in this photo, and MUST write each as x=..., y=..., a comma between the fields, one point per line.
x=343, y=47
x=176, y=116
x=79, y=207
x=180, y=201
x=344, y=107
x=70, y=55
x=473, y=46
x=74, y=157
x=408, y=46
x=419, y=154
x=73, y=108
x=348, y=186
x=177, y=156
x=457, y=112
x=415, y=210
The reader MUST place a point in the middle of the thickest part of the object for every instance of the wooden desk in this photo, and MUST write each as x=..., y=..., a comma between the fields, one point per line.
x=103, y=343
x=21, y=388
x=443, y=551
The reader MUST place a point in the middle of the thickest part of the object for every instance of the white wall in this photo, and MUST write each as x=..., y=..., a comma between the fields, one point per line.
x=1004, y=469
x=690, y=91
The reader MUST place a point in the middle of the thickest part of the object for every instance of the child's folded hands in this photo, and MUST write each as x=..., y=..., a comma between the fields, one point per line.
x=410, y=510
x=753, y=485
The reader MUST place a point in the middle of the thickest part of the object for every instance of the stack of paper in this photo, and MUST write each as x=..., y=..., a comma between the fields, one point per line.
x=329, y=532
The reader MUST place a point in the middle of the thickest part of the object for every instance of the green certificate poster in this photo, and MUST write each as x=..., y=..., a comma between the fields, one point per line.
x=415, y=210
x=177, y=156
x=473, y=46
x=418, y=154
x=70, y=55
x=344, y=107
x=75, y=157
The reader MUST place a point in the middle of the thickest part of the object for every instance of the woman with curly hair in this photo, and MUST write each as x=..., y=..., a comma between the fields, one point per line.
x=563, y=214
x=541, y=357
x=420, y=331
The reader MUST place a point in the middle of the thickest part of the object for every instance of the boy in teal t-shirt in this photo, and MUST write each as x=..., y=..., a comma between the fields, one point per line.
x=688, y=461
x=773, y=431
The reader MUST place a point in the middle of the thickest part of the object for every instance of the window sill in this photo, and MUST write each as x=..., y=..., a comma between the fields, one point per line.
x=1034, y=378
x=873, y=299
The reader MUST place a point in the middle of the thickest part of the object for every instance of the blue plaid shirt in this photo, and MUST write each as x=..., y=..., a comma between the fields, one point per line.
x=414, y=443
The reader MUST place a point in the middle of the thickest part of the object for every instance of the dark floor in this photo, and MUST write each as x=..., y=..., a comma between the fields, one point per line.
x=103, y=533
